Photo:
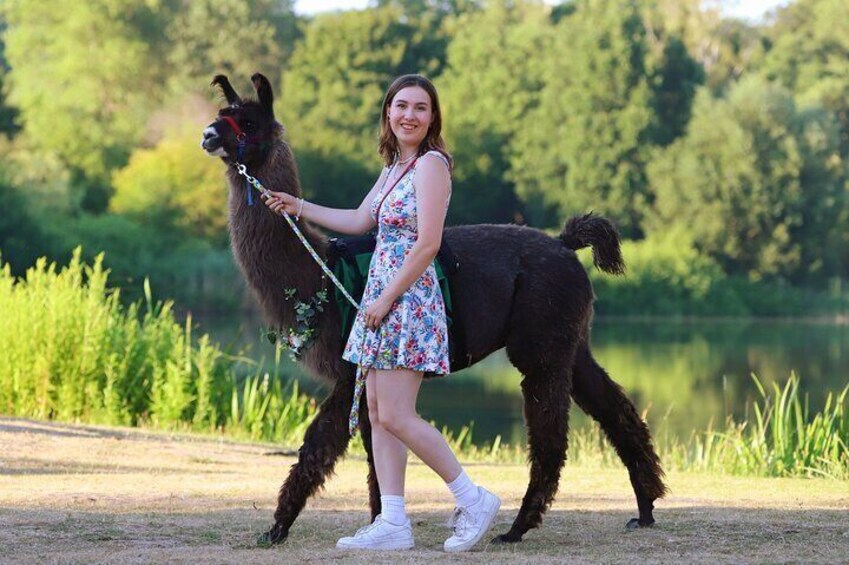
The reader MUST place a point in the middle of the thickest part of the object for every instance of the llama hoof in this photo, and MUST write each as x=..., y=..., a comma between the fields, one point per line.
x=271, y=537
x=636, y=524
x=506, y=538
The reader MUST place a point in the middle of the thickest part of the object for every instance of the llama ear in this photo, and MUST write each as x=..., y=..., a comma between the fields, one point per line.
x=264, y=93
x=229, y=93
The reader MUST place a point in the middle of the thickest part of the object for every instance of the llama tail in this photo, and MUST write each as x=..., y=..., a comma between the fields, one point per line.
x=600, y=233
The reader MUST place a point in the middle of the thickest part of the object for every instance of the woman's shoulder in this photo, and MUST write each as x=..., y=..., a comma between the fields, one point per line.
x=435, y=156
x=438, y=155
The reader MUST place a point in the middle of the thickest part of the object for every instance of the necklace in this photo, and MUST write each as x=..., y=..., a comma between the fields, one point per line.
x=407, y=160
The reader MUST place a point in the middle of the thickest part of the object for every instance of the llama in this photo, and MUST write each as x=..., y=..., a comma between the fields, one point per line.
x=516, y=288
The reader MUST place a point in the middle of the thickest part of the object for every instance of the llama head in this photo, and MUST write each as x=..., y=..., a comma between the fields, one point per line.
x=245, y=129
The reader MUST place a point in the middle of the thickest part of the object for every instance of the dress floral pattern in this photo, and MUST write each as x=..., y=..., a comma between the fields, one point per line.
x=413, y=334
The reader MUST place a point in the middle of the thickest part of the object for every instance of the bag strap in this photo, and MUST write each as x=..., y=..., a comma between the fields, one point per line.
x=394, y=184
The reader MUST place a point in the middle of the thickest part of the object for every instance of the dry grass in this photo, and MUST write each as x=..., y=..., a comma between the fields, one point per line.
x=82, y=494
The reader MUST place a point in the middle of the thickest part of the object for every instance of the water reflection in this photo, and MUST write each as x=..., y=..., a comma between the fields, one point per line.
x=684, y=374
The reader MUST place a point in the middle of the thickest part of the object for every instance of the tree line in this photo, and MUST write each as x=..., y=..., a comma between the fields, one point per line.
x=663, y=115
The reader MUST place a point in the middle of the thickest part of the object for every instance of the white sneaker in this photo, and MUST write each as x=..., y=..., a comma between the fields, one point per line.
x=470, y=524
x=380, y=534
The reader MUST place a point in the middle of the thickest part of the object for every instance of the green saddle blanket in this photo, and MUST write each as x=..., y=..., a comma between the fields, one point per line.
x=350, y=258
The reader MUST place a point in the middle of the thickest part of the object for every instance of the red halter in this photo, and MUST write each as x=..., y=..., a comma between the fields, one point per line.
x=240, y=135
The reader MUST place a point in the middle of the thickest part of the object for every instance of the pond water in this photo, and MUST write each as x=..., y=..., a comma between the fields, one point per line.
x=682, y=374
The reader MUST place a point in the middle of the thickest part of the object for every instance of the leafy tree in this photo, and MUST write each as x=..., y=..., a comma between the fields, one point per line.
x=331, y=94
x=824, y=239
x=493, y=78
x=749, y=180
x=809, y=54
x=7, y=114
x=175, y=188
x=40, y=175
x=232, y=37
x=674, y=86
x=81, y=76
x=420, y=7
x=723, y=47
x=22, y=240
x=587, y=142
x=87, y=77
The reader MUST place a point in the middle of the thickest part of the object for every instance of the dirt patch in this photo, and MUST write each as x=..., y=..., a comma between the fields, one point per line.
x=83, y=494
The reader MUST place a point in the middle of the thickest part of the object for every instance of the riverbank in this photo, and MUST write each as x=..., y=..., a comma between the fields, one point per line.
x=82, y=494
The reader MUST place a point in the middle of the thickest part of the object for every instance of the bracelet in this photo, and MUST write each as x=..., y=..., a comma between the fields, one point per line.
x=300, y=209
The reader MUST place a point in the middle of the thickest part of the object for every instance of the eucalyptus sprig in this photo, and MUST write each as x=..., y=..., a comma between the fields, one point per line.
x=296, y=339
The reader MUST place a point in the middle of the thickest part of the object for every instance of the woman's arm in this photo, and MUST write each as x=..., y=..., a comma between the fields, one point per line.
x=432, y=185
x=339, y=220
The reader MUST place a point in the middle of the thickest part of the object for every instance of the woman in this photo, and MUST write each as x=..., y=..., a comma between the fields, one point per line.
x=400, y=331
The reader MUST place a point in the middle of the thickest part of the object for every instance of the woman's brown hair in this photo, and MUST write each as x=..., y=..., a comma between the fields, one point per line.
x=388, y=145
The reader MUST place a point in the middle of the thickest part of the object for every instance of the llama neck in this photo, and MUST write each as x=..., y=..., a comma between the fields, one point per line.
x=266, y=249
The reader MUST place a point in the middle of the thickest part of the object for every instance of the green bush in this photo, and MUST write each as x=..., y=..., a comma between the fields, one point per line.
x=666, y=275
x=22, y=238
x=175, y=187
x=190, y=271
x=73, y=352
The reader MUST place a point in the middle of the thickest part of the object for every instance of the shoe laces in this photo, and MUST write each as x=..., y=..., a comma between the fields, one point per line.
x=369, y=527
x=460, y=519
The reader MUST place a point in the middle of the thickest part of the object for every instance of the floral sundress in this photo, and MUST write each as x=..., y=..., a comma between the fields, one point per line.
x=413, y=334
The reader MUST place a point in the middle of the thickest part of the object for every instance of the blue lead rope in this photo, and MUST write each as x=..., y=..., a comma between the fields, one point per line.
x=240, y=153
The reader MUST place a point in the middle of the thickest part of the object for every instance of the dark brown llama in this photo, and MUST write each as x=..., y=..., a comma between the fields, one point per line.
x=516, y=288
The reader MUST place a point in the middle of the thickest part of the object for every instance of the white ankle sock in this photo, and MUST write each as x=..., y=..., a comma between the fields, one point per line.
x=392, y=509
x=464, y=490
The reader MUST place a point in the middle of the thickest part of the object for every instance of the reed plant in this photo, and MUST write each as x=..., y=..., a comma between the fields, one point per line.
x=782, y=438
x=71, y=351
x=262, y=409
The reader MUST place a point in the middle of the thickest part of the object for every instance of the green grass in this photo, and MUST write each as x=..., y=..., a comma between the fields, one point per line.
x=262, y=410
x=782, y=439
x=73, y=352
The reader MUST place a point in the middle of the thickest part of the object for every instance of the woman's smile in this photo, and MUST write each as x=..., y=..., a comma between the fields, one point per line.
x=410, y=115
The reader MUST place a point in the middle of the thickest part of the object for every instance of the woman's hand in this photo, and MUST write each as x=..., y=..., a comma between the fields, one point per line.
x=377, y=311
x=283, y=201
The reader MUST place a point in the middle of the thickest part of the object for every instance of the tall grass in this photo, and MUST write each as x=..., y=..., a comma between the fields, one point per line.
x=262, y=410
x=783, y=438
x=69, y=350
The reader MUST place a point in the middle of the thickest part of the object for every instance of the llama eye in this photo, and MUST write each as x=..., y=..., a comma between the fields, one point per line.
x=248, y=124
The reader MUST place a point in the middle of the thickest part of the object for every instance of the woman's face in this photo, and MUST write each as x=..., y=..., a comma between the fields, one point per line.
x=410, y=115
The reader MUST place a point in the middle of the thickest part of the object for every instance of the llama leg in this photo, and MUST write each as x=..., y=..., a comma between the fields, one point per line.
x=366, y=434
x=324, y=442
x=604, y=400
x=546, y=409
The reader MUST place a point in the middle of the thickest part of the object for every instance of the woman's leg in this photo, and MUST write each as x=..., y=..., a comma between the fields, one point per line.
x=392, y=529
x=390, y=454
x=397, y=391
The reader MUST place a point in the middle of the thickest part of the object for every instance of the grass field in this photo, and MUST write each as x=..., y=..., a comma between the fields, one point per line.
x=84, y=494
